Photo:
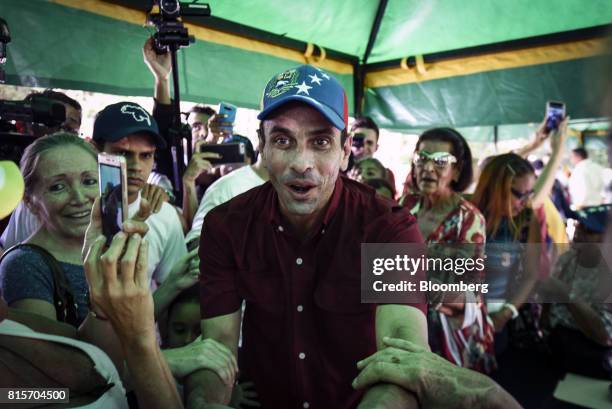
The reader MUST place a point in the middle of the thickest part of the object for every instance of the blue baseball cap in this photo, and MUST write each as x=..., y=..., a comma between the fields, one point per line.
x=119, y=120
x=310, y=85
x=593, y=218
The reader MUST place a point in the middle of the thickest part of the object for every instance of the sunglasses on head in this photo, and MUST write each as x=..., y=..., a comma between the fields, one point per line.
x=522, y=195
x=441, y=160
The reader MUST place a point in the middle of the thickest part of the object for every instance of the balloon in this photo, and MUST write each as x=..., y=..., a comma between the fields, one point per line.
x=11, y=187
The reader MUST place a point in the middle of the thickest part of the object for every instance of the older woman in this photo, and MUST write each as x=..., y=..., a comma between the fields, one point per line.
x=45, y=275
x=441, y=169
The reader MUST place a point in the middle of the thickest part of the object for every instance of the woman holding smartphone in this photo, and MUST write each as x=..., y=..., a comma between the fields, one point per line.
x=44, y=274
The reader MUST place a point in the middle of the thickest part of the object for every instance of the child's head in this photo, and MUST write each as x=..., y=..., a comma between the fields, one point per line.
x=184, y=318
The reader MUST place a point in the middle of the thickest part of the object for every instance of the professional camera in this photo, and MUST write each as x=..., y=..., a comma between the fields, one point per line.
x=171, y=33
x=37, y=109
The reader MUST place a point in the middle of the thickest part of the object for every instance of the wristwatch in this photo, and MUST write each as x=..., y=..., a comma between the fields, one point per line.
x=512, y=308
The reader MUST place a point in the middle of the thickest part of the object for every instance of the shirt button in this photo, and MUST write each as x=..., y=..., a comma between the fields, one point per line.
x=305, y=405
x=302, y=355
x=280, y=228
x=300, y=308
x=299, y=261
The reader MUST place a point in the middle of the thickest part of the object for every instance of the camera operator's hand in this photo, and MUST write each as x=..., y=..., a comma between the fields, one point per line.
x=155, y=195
x=159, y=64
x=218, y=127
x=198, y=165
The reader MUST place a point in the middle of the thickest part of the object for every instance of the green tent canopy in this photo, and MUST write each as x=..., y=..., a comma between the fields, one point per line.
x=409, y=64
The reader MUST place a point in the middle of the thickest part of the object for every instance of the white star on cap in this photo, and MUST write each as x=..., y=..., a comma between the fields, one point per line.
x=325, y=75
x=303, y=88
x=315, y=79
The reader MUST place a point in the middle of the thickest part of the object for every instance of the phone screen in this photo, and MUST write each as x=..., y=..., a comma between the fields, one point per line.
x=555, y=112
x=111, y=203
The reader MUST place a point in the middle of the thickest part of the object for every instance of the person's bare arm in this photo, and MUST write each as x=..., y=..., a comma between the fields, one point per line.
x=589, y=322
x=546, y=180
x=197, y=165
x=36, y=362
x=437, y=382
x=160, y=66
x=398, y=321
x=39, y=315
x=529, y=277
x=206, y=387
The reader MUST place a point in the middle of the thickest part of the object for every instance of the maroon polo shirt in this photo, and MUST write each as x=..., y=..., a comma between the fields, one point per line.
x=304, y=327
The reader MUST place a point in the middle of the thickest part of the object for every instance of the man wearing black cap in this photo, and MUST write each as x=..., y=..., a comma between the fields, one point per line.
x=290, y=249
x=127, y=129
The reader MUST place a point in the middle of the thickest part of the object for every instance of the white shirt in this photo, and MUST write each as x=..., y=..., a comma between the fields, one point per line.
x=112, y=398
x=586, y=184
x=165, y=236
x=222, y=190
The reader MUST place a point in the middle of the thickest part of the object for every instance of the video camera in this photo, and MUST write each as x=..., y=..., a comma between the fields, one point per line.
x=171, y=33
x=169, y=37
x=37, y=109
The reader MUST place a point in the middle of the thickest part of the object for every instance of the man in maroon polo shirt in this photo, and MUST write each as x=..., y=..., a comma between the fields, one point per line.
x=290, y=248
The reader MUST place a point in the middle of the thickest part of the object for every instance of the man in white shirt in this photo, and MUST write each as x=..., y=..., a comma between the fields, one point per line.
x=128, y=130
x=224, y=189
x=586, y=183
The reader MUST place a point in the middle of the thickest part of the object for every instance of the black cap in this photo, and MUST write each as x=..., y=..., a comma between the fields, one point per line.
x=119, y=120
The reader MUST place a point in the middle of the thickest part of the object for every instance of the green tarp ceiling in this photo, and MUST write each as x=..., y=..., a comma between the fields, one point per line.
x=411, y=27
x=95, y=45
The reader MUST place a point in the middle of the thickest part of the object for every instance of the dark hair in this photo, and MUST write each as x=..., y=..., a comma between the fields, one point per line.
x=56, y=96
x=202, y=109
x=461, y=150
x=248, y=145
x=188, y=295
x=378, y=183
x=581, y=152
x=375, y=161
x=493, y=194
x=365, y=122
x=31, y=156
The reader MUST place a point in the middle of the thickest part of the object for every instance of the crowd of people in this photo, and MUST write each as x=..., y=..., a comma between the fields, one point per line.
x=245, y=292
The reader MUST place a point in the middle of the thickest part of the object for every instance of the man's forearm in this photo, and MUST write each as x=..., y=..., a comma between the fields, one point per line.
x=46, y=363
x=151, y=377
x=190, y=202
x=589, y=322
x=388, y=396
x=162, y=91
x=205, y=387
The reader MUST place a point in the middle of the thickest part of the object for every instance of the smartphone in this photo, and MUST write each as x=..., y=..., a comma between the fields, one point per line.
x=112, y=171
x=555, y=112
x=228, y=109
x=358, y=140
x=229, y=152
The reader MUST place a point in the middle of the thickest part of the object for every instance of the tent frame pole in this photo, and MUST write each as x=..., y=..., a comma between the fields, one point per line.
x=360, y=70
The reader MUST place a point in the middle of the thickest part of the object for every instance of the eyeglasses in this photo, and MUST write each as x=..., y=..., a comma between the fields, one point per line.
x=522, y=196
x=441, y=160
